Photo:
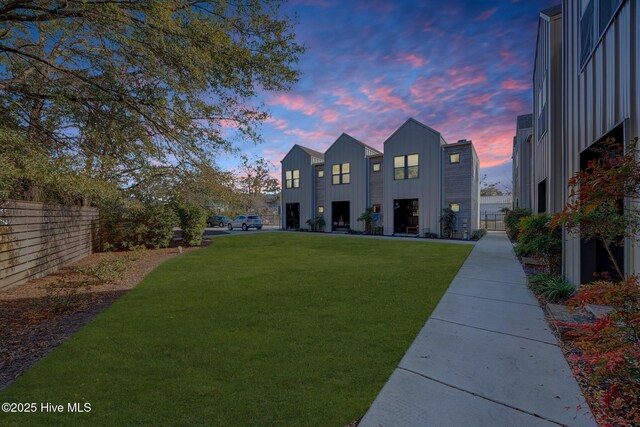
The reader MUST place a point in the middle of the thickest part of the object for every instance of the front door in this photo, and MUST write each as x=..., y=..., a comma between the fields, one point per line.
x=293, y=216
x=405, y=216
x=340, y=216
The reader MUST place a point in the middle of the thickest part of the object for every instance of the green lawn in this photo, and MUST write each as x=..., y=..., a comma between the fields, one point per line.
x=258, y=329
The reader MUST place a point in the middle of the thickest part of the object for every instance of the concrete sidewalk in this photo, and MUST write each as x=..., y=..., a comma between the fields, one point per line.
x=485, y=357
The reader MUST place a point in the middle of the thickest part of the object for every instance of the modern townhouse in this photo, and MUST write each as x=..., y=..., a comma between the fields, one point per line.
x=546, y=145
x=407, y=187
x=601, y=99
x=521, y=159
x=585, y=91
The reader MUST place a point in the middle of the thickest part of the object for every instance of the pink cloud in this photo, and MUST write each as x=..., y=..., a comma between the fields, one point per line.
x=330, y=115
x=279, y=124
x=512, y=84
x=486, y=14
x=478, y=100
x=465, y=76
x=415, y=60
x=384, y=95
x=293, y=102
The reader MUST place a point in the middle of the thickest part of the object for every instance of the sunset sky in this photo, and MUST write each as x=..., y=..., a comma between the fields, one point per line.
x=461, y=67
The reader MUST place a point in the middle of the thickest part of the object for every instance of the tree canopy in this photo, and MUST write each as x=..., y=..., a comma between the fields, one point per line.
x=127, y=88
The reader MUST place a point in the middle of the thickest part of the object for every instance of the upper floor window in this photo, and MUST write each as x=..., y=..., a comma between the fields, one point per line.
x=376, y=167
x=542, y=108
x=606, y=11
x=292, y=179
x=341, y=173
x=320, y=173
x=595, y=16
x=454, y=158
x=405, y=167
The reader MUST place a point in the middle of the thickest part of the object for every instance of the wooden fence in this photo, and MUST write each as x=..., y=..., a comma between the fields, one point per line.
x=38, y=239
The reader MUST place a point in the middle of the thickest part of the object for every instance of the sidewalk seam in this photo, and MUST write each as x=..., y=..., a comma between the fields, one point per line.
x=492, y=280
x=495, y=332
x=492, y=299
x=533, y=414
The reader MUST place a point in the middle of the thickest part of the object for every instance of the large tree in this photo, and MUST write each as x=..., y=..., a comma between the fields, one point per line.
x=126, y=87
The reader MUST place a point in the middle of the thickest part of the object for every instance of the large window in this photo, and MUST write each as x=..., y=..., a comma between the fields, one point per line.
x=341, y=174
x=542, y=107
x=405, y=167
x=595, y=16
x=292, y=179
x=587, y=19
x=606, y=11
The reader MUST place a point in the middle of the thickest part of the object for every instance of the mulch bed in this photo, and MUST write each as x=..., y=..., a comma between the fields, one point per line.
x=29, y=329
x=27, y=336
x=580, y=371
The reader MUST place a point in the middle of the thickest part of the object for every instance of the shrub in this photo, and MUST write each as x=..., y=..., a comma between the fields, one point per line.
x=132, y=225
x=610, y=347
x=316, y=224
x=512, y=221
x=551, y=287
x=538, y=238
x=429, y=235
x=367, y=218
x=478, y=234
x=193, y=220
x=448, y=221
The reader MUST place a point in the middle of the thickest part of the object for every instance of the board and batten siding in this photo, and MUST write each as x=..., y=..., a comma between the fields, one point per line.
x=546, y=146
x=522, y=176
x=597, y=98
x=414, y=138
x=298, y=159
x=319, y=190
x=346, y=150
x=376, y=190
x=461, y=186
x=38, y=239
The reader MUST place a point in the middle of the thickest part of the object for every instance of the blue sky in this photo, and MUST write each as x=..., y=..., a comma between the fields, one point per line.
x=463, y=68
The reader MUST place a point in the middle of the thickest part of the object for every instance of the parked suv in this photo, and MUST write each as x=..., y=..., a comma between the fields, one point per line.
x=217, y=220
x=246, y=222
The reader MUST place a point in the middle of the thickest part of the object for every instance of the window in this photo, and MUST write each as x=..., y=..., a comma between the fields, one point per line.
x=595, y=17
x=292, y=179
x=455, y=207
x=376, y=167
x=587, y=19
x=320, y=173
x=320, y=209
x=341, y=174
x=376, y=209
x=606, y=11
x=405, y=167
x=542, y=108
x=454, y=158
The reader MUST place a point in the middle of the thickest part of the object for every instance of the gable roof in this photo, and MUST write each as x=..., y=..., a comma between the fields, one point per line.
x=552, y=11
x=414, y=121
x=311, y=152
x=368, y=150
